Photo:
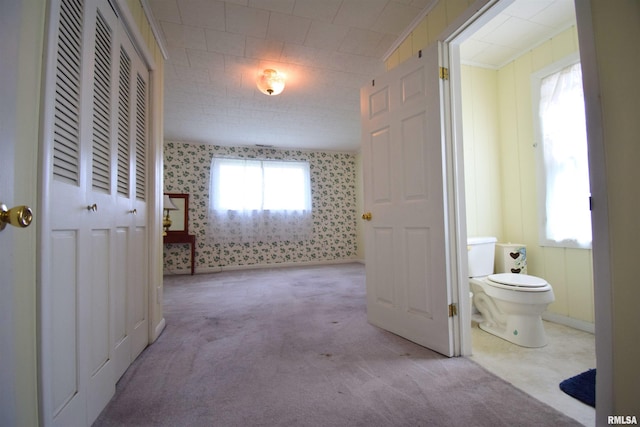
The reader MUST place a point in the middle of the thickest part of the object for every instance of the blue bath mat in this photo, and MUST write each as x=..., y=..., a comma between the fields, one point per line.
x=582, y=387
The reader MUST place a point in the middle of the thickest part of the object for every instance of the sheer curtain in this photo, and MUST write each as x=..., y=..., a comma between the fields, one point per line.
x=564, y=140
x=259, y=201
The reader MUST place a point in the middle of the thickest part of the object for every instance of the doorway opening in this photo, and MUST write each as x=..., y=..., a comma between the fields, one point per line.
x=493, y=133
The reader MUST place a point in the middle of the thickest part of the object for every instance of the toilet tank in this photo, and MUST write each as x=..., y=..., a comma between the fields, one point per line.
x=480, y=254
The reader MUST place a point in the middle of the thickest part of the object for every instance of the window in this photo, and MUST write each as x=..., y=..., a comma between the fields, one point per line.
x=563, y=160
x=259, y=200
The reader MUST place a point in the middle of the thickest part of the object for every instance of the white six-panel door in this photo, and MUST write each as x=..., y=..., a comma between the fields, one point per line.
x=93, y=299
x=406, y=276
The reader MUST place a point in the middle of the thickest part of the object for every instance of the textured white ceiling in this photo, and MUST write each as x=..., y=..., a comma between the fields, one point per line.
x=328, y=50
x=518, y=28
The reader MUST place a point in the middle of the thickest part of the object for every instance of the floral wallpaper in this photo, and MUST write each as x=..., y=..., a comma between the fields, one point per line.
x=187, y=170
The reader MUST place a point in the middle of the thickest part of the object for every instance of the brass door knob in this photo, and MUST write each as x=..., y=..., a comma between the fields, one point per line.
x=19, y=216
x=92, y=208
x=366, y=216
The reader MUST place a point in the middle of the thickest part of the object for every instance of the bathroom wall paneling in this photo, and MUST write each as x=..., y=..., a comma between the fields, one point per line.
x=500, y=172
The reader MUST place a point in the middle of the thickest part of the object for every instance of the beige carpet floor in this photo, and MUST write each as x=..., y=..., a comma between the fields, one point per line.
x=292, y=347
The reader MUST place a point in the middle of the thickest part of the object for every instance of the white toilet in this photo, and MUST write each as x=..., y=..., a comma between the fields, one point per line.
x=511, y=304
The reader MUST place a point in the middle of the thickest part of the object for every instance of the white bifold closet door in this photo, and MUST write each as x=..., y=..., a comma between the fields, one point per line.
x=94, y=251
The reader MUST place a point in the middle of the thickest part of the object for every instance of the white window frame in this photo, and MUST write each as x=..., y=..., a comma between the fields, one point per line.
x=304, y=199
x=536, y=80
x=259, y=219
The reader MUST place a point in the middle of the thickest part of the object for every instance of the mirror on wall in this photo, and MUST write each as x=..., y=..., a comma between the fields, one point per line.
x=179, y=215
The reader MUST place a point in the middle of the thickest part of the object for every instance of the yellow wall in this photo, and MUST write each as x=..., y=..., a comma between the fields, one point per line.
x=500, y=172
x=481, y=145
x=568, y=270
x=427, y=31
x=145, y=29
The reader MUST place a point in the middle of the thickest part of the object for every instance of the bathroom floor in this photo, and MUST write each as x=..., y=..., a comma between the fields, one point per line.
x=539, y=371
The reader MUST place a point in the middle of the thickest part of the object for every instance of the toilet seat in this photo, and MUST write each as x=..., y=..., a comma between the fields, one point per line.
x=518, y=282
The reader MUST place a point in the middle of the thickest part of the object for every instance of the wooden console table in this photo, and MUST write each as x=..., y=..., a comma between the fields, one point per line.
x=183, y=238
x=178, y=229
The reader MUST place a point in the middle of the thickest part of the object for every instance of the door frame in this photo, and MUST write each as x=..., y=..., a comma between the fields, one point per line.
x=456, y=216
x=23, y=39
x=452, y=128
x=10, y=28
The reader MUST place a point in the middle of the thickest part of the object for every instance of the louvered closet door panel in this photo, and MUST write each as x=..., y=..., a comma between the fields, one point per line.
x=138, y=293
x=65, y=244
x=131, y=183
x=102, y=107
x=76, y=373
x=66, y=144
x=100, y=191
x=139, y=288
x=121, y=337
x=122, y=214
x=63, y=400
x=124, y=121
x=95, y=120
x=141, y=135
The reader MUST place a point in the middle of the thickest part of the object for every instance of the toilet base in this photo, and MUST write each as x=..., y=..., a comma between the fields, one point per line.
x=525, y=331
x=515, y=316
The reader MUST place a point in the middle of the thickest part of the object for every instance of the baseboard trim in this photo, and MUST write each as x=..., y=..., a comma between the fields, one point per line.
x=205, y=270
x=158, y=330
x=569, y=321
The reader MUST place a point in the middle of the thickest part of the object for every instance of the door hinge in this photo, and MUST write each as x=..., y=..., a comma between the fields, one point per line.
x=453, y=310
x=444, y=73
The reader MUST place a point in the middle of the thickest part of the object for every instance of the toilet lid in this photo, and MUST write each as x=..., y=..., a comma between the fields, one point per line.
x=518, y=280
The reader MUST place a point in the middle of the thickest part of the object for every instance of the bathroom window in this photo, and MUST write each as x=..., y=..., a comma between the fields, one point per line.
x=562, y=157
x=259, y=200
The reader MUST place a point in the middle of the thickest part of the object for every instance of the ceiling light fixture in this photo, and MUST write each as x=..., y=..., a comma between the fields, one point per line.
x=270, y=82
